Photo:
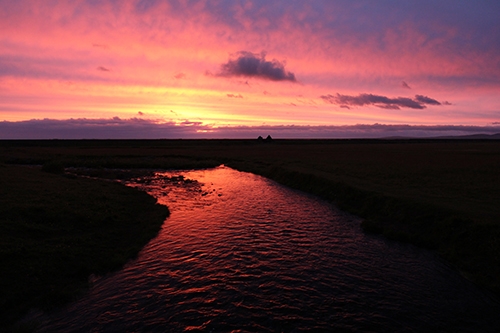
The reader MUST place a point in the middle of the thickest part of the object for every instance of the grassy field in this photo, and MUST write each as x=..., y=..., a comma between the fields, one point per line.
x=442, y=195
x=57, y=231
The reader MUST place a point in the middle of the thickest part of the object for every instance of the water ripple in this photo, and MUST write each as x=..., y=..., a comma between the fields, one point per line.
x=240, y=253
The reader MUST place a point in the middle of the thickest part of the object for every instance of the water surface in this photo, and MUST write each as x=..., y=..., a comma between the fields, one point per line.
x=242, y=253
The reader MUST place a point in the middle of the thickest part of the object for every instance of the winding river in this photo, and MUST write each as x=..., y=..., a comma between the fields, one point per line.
x=241, y=253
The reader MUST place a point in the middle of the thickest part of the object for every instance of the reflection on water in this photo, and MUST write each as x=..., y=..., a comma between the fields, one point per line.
x=241, y=253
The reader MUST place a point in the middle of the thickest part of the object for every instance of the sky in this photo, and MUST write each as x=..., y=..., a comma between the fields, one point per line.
x=239, y=69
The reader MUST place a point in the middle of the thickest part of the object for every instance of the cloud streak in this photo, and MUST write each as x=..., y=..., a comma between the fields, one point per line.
x=346, y=101
x=109, y=128
x=135, y=128
x=253, y=65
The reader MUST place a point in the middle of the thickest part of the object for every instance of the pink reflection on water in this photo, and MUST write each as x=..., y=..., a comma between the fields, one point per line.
x=242, y=253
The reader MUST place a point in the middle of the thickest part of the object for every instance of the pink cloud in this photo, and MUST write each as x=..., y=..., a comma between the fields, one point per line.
x=143, y=51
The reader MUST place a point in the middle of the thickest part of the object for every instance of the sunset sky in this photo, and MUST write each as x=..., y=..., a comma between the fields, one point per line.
x=226, y=68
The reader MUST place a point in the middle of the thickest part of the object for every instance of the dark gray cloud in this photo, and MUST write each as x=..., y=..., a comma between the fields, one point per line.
x=254, y=65
x=405, y=85
x=135, y=128
x=426, y=100
x=419, y=102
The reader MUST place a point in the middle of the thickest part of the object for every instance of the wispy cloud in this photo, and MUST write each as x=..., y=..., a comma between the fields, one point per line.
x=234, y=96
x=426, y=100
x=405, y=85
x=419, y=102
x=254, y=65
x=103, y=69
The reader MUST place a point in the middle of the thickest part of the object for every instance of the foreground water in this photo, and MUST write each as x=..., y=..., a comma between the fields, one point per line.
x=242, y=253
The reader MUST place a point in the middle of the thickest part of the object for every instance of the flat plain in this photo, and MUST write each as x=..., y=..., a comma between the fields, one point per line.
x=439, y=194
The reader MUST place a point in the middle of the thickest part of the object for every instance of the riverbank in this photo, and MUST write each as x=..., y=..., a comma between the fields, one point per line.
x=472, y=246
x=437, y=194
x=242, y=252
x=55, y=231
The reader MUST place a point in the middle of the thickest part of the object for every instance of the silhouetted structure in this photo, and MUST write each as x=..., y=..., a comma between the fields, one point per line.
x=267, y=140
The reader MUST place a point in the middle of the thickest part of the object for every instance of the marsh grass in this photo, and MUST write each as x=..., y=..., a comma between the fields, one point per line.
x=56, y=231
x=442, y=195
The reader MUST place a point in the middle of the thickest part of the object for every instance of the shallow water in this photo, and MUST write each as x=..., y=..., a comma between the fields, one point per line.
x=242, y=253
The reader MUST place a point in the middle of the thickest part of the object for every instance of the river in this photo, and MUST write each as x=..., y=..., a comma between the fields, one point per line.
x=241, y=253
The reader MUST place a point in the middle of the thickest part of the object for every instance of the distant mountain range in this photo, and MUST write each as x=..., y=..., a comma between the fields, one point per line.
x=473, y=136
x=452, y=137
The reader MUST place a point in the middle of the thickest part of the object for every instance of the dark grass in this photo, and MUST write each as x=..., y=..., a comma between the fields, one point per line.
x=438, y=194
x=472, y=245
x=57, y=231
